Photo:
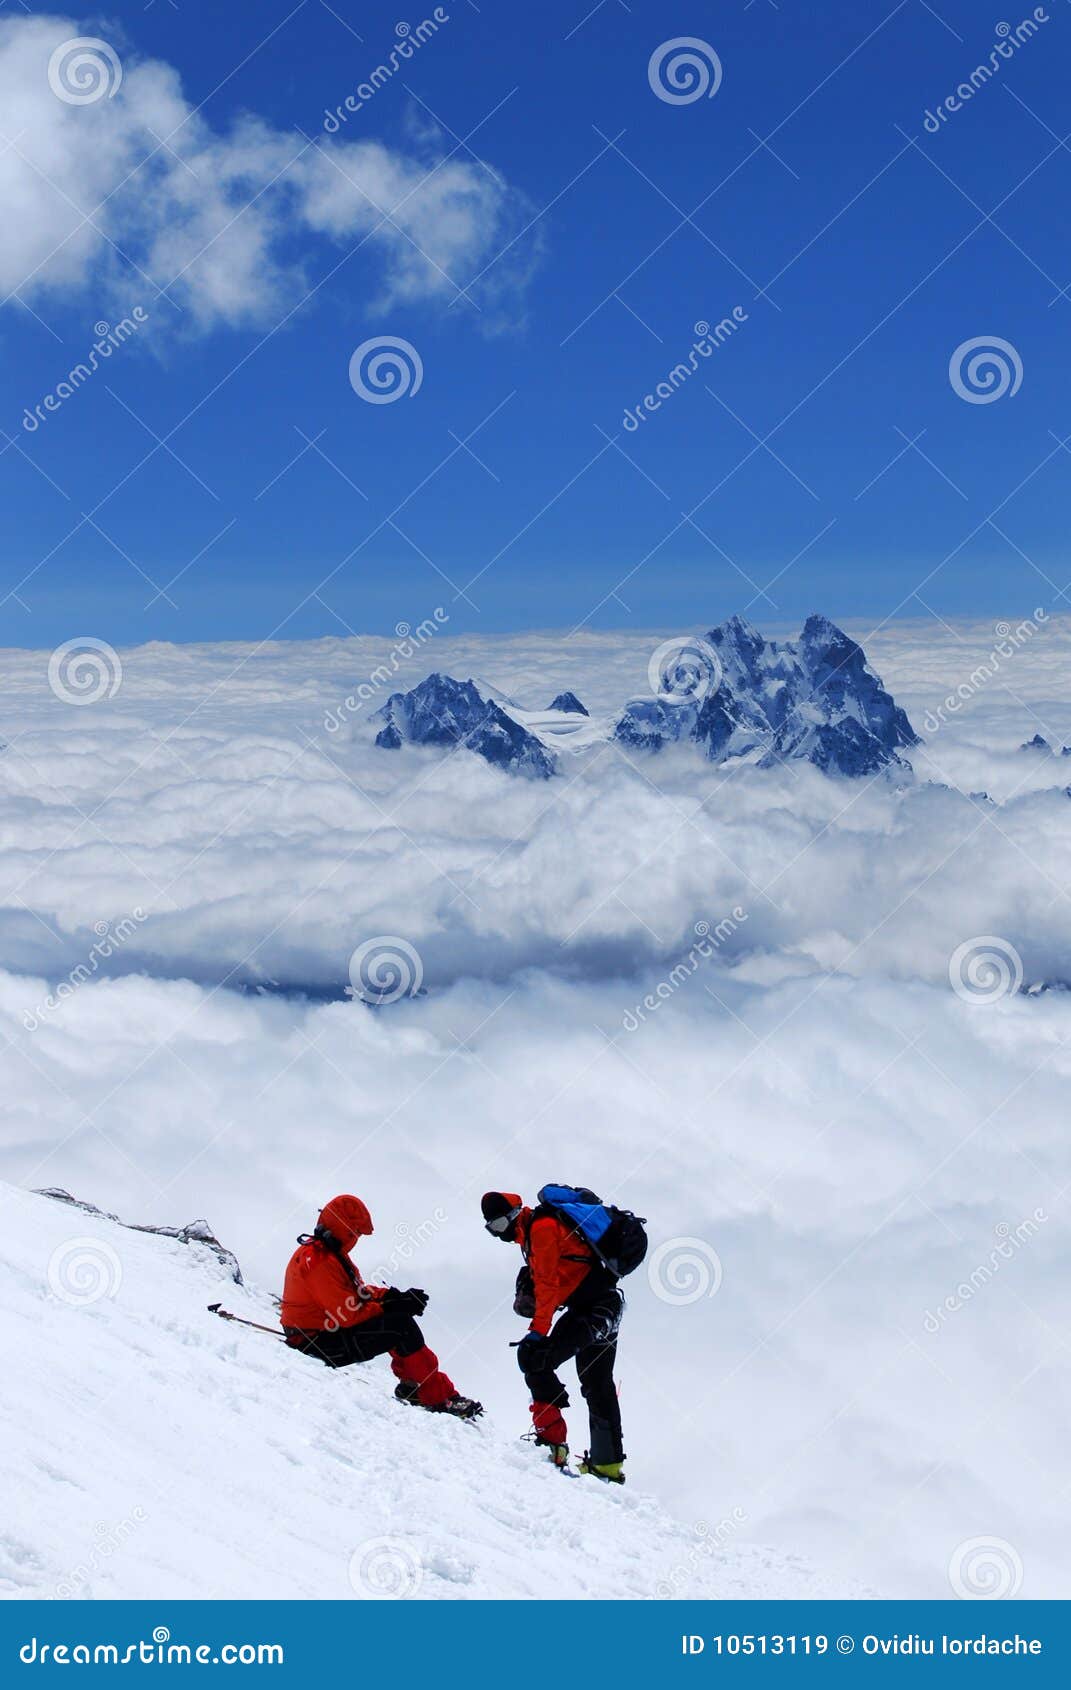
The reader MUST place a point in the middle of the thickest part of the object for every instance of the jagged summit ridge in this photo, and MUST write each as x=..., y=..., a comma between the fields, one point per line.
x=815, y=699
x=442, y=711
x=732, y=693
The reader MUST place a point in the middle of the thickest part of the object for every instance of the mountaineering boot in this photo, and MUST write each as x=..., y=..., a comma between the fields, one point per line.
x=557, y=1454
x=609, y=1471
x=462, y=1408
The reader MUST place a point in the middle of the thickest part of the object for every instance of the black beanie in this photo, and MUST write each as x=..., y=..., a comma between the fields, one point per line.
x=496, y=1204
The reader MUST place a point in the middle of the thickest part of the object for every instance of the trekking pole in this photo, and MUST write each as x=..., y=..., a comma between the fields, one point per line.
x=225, y=1314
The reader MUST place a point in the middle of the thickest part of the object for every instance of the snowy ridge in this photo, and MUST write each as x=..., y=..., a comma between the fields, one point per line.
x=198, y=1459
x=814, y=699
x=444, y=712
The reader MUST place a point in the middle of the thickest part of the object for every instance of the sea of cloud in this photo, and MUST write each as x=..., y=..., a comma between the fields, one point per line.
x=832, y=1145
x=216, y=806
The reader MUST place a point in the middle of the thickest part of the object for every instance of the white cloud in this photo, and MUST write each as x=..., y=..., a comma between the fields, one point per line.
x=815, y=1101
x=250, y=848
x=138, y=191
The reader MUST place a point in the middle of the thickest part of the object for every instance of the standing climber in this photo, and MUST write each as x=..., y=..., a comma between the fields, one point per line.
x=563, y=1270
x=329, y=1312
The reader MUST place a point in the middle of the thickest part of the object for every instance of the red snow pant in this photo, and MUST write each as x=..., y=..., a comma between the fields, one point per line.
x=395, y=1334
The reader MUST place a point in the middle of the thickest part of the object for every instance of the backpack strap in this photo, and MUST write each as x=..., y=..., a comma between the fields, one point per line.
x=551, y=1211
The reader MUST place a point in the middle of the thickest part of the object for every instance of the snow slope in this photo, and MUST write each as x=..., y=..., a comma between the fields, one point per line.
x=148, y=1449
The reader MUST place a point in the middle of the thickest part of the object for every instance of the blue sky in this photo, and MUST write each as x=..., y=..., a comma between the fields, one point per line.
x=821, y=458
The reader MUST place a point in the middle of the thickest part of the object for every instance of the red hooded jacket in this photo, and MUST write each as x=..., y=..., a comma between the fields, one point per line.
x=559, y=1259
x=318, y=1293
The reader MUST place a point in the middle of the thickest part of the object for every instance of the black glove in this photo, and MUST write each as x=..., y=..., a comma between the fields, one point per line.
x=532, y=1352
x=405, y=1302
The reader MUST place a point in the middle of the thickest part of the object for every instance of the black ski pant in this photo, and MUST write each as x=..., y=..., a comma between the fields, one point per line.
x=382, y=1334
x=587, y=1331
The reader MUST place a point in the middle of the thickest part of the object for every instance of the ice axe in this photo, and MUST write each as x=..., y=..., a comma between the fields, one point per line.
x=225, y=1314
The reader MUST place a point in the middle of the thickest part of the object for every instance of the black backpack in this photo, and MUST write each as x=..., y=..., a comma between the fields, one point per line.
x=616, y=1236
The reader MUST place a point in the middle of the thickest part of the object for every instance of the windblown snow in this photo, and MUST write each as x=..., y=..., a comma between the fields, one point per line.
x=152, y=1450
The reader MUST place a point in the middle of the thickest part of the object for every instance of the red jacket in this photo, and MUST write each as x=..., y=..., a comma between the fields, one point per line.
x=559, y=1259
x=318, y=1293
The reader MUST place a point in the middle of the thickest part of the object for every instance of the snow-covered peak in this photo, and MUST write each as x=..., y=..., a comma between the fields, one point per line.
x=815, y=698
x=446, y=712
x=569, y=703
x=737, y=637
x=197, y=1458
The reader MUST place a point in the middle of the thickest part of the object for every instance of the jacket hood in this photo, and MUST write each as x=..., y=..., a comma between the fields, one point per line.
x=348, y=1218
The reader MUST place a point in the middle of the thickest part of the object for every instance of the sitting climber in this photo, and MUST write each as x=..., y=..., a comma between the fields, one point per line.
x=329, y=1312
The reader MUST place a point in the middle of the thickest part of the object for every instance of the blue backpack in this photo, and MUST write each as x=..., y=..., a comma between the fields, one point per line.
x=616, y=1236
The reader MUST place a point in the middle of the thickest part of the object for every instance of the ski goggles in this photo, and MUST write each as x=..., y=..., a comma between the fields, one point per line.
x=502, y=1223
